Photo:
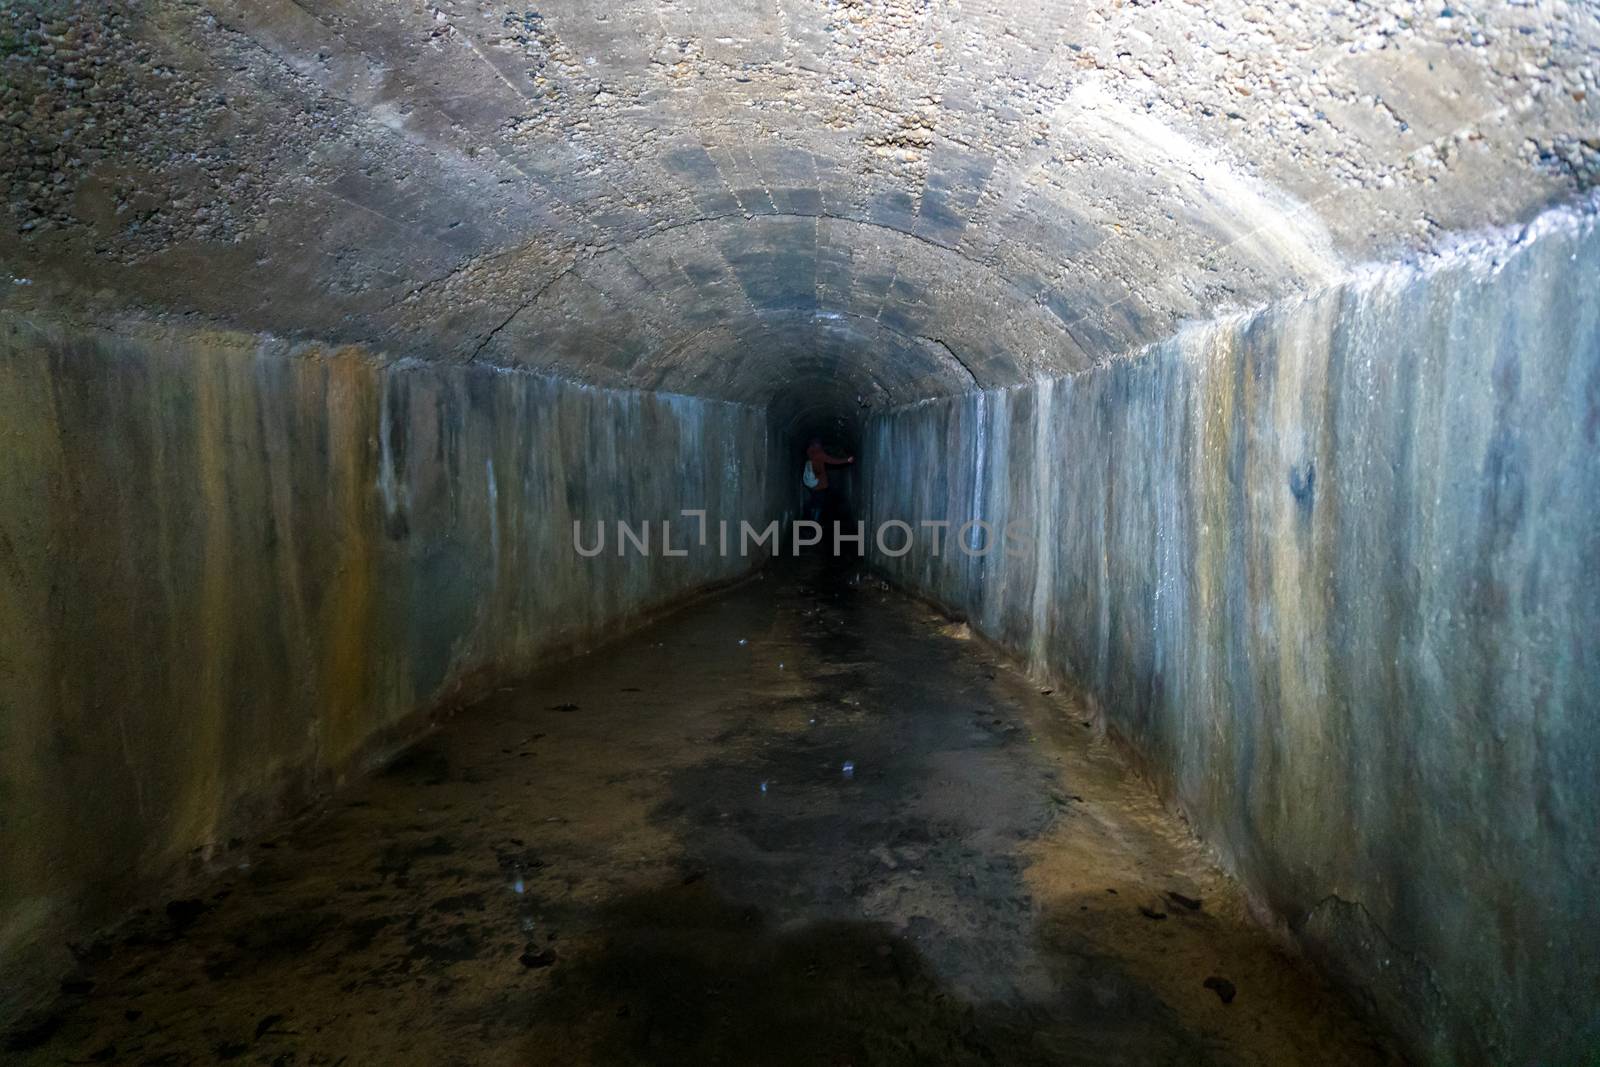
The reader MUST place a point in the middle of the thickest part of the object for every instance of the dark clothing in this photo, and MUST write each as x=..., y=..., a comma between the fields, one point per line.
x=816, y=504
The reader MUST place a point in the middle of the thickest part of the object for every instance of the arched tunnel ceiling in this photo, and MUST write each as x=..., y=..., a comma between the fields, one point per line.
x=843, y=203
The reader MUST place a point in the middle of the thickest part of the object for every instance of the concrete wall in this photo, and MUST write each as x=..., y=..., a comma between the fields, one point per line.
x=231, y=569
x=1333, y=571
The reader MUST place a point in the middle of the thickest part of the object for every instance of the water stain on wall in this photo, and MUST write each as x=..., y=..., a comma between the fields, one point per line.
x=1329, y=570
x=232, y=569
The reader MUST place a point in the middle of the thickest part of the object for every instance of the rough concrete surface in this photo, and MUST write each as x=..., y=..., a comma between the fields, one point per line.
x=322, y=318
x=867, y=198
x=227, y=566
x=1330, y=569
x=657, y=857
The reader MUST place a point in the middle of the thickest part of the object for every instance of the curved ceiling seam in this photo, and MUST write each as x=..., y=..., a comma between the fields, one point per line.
x=576, y=269
x=803, y=376
x=883, y=297
x=697, y=368
x=721, y=255
x=846, y=313
x=608, y=245
x=810, y=415
x=620, y=247
x=1070, y=205
x=648, y=287
x=955, y=250
x=710, y=151
x=836, y=393
x=920, y=343
x=574, y=212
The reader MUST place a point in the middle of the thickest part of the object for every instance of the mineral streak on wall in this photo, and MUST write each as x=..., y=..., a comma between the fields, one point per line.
x=1332, y=571
x=231, y=569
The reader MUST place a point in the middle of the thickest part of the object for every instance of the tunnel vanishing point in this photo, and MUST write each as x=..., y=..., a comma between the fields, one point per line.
x=1268, y=332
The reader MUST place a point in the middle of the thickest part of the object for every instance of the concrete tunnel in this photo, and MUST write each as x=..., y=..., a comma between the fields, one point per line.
x=1224, y=381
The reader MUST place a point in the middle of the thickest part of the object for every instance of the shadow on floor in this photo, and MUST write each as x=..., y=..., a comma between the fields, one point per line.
x=802, y=823
x=682, y=975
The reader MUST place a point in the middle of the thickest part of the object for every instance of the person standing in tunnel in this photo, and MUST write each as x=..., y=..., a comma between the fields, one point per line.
x=816, y=478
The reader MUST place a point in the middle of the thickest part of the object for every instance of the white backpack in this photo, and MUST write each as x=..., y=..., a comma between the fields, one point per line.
x=808, y=477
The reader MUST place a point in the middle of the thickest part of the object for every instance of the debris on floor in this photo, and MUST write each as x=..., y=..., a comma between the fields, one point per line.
x=535, y=958
x=1189, y=903
x=941, y=908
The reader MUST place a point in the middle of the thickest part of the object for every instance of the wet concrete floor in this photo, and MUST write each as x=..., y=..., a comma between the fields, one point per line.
x=807, y=822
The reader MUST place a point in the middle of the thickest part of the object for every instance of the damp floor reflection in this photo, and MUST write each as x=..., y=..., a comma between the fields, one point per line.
x=807, y=822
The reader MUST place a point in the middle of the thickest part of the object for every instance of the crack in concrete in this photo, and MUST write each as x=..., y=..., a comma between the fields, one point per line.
x=1370, y=921
x=953, y=354
x=518, y=310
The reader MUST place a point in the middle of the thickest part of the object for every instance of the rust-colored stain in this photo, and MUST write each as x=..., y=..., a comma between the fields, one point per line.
x=1325, y=616
x=348, y=662
x=205, y=610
